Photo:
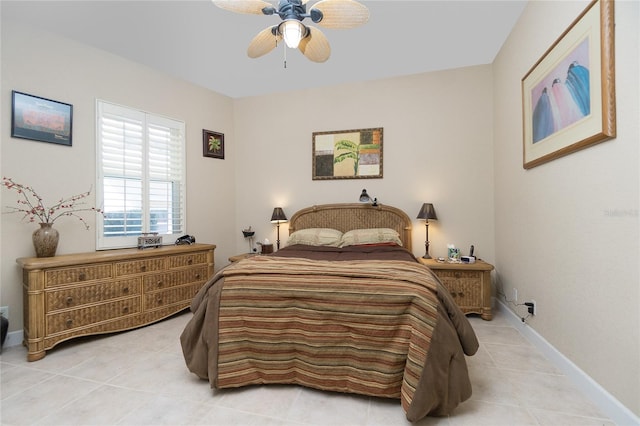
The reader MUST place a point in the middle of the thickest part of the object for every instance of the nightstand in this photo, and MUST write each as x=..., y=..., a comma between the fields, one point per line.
x=468, y=283
x=239, y=257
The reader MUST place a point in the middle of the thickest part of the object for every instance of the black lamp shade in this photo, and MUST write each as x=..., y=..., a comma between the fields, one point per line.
x=427, y=212
x=278, y=215
x=364, y=197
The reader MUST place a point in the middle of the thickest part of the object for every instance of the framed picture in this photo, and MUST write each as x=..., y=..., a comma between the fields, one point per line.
x=212, y=144
x=40, y=119
x=568, y=97
x=347, y=154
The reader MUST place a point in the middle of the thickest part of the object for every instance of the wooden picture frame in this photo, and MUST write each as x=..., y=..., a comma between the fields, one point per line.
x=212, y=144
x=568, y=96
x=347, y=154
x=41, y=119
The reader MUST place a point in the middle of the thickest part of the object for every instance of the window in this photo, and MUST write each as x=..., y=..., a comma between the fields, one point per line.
x=141, y=183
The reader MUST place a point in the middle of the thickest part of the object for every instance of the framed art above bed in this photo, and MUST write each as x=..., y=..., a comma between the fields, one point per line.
x=347, y=154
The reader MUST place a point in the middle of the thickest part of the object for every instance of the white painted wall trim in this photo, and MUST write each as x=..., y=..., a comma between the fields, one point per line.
x=14, y=338
x=606, y=402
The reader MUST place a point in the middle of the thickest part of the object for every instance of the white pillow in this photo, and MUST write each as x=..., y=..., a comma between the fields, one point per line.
x=316, y=237
x=370, y=236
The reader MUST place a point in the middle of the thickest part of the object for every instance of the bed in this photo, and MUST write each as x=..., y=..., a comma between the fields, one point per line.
x=343, y=307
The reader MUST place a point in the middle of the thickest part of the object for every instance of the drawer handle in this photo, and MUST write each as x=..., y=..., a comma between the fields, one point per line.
x=143, y=268
x=189, y=261
x=82, y=276
x=69, y=300
x=197, y=276
x=159, y=300
x=457, y=275
x=159, y=283
x=125, y=310
x=125, y=290
x=69, y=322
x=461, y=294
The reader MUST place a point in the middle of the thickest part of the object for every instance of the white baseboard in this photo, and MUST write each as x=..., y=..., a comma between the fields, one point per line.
x=14, y=338
x=606, y=402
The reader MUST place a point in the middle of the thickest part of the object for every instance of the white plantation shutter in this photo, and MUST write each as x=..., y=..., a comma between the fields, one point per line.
x=141, y=168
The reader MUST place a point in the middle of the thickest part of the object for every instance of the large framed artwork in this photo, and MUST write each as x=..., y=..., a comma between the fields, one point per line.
x=347, y=154
x=568, y=96
x=40, y=119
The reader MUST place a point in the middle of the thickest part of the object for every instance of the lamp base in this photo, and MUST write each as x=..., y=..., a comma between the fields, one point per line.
x=426, y=256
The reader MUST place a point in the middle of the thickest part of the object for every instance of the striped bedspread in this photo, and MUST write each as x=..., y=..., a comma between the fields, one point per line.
x=365, y=327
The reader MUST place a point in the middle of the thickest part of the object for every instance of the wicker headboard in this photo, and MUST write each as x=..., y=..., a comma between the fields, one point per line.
x=348, y=216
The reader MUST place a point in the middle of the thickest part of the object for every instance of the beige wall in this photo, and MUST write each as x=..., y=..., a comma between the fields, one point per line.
x=567, y=231
x=55, y=68
x=437, y=148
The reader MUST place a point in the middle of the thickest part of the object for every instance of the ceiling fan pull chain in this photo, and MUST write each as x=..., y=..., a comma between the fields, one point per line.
x=285, y=54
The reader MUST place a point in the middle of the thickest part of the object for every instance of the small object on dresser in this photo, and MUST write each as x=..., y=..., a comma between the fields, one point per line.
x=149, y=239
x=185, y=240
x=453, y=253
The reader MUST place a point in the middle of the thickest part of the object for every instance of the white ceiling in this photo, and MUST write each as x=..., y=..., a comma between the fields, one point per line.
x=201, y=43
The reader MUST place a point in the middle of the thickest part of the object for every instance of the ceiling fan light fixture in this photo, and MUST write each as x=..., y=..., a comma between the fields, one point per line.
x=292, y=31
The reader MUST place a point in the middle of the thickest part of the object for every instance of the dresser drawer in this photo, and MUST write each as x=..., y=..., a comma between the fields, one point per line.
x=187, y=259
x=170, y=279
x=140, y=266
x=171, y=296
x=87, y=294
x=472, y=276
x=61, y=276
x=68, y=320
x=81, y=294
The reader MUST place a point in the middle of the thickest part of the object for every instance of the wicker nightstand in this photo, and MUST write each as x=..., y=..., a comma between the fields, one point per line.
x=468, y=283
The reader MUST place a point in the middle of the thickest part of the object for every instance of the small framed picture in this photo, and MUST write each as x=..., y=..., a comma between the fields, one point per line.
x=212, y=144
x=40, y=119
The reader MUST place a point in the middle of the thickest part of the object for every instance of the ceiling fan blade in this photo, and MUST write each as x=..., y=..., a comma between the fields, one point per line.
x=263, y=43
x=315, y=46
x=243, y=6
x=341, y=13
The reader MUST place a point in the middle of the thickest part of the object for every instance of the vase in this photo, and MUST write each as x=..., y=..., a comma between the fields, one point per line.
x=45, y=240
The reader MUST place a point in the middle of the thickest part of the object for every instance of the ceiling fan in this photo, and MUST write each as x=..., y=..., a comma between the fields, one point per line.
x=309, y=40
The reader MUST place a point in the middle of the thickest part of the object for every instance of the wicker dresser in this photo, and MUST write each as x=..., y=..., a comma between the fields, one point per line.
x=105, y=291
x=468, y=283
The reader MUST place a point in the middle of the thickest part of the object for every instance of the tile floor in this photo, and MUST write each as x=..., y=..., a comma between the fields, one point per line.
x=139, y=378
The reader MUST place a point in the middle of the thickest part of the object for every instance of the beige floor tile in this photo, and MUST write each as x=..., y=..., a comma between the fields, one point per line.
x=552, y=418
x=269, y=401
x=315, y=407
x=106, y=405
x=521, y=358
x=37, y=402
x=139, y=377
x=550, y=392
x=477, y=413
x=16, y=379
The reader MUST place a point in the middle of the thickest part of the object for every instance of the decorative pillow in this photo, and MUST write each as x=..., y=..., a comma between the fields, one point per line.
x=316, y=237
x=370, y=236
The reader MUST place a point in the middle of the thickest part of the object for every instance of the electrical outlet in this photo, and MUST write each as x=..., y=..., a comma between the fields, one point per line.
x=515, y=294
x=4, y=311
x=531, y=307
